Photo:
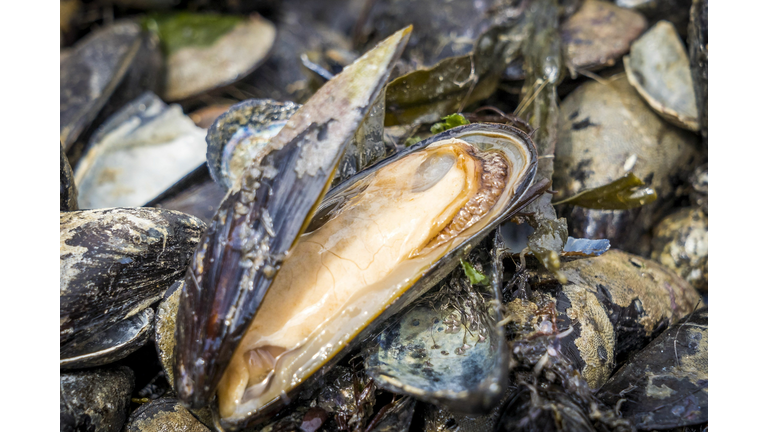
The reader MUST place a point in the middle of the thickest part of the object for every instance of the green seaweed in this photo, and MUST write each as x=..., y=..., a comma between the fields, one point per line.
x=412, y=140
x=622, y=194
x=183, y=29
x=475, y=277
x=448, y=122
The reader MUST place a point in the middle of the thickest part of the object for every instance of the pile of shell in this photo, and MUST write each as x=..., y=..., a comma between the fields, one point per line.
x=383, y=216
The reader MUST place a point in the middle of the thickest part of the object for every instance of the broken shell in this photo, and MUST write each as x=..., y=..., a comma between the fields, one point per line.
x=138, y=153
x=658, y=68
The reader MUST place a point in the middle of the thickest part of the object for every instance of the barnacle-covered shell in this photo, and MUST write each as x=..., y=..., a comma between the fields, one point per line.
x=614, y=305
x=116, y=262
x=680, y=242
x=163, y=415
x=95, y=400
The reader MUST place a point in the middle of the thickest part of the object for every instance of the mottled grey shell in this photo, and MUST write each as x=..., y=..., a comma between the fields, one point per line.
x=95, y=400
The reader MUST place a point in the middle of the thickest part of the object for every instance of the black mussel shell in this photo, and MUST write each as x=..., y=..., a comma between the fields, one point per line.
x=115, y=262
x=95, y=400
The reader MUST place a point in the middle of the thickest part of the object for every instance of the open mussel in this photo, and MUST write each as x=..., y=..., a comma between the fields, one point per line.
x=274, y=308
x=262, y=216
x=461, y=184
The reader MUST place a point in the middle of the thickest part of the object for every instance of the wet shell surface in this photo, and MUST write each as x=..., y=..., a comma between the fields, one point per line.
x=95, y=399
x=116, y=262
x=163, y=415
x=680, y=242
x=447, y=348
x=611, y=306
x=666, y=384
x=112, y=344
x=260, y=220
x=599, y=33
x=605, y=131
x=242, y=135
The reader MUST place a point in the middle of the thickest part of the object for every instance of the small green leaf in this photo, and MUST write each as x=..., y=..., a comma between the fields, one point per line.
x=449, y=122
x=475, y=277
x=622, y=194
x=412, y=140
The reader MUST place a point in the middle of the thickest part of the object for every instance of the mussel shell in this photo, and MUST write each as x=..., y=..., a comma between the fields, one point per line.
x=106, y=70
x=95, y=400
x=116, y=262
x=111, y=344
x=160, y=415
x=698, y=53
x=658, y=68
x=98, y=62
x=614, y=305
x=598, y=34
x=139, y=152
x=606, y=130
x=67, y=189
x=680, y=242
x=258, y=222
x=438, y=353
x=666, y=384
x=473, y=133
x=237, y=53
x=240, y=134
